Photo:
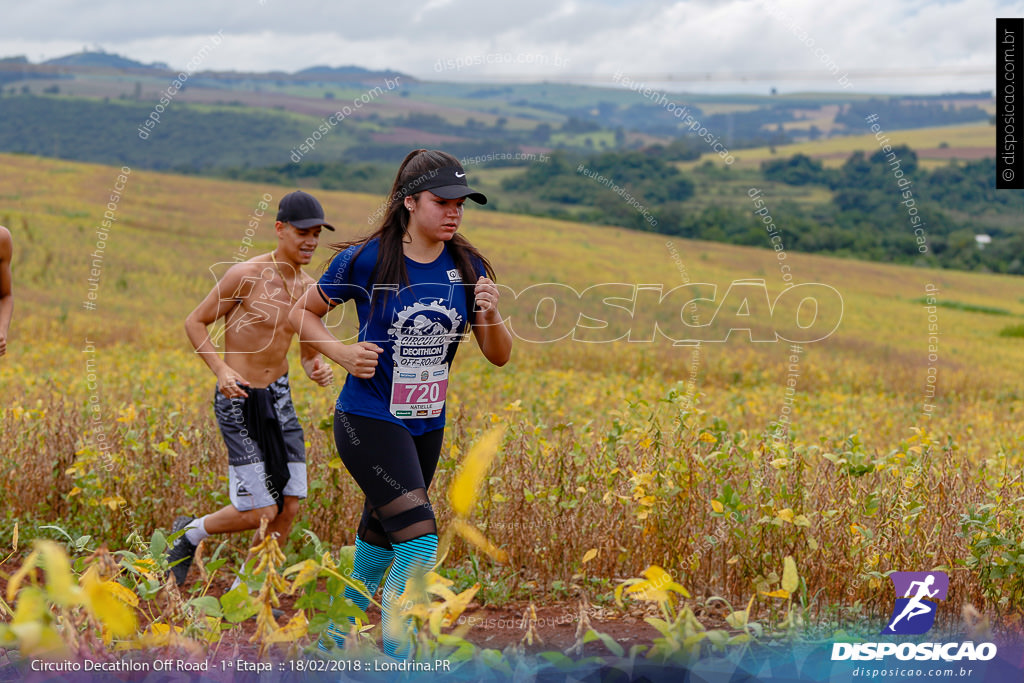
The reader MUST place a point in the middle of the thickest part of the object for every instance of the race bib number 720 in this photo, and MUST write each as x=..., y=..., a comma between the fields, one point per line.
x=419, y=392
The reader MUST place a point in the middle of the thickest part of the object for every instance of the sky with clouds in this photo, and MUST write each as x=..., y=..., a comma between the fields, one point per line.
x=696, y=45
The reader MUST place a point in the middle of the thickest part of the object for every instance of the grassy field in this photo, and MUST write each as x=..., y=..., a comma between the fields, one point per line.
x=644, y=452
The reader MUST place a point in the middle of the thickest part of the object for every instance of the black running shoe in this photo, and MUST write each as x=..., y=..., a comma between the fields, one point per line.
x=181, y=553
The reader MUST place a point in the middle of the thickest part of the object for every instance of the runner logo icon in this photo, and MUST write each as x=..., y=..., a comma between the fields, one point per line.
x=917, y=599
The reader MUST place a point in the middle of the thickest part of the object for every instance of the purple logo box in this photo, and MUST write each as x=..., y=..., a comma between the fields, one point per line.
x=901, y=582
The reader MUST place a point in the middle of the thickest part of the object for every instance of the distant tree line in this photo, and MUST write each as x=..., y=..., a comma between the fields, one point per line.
x=869, y=215
x=896, y=113
x=870, y=210
x=349, y=177
x=187, y=138
x=591, y=185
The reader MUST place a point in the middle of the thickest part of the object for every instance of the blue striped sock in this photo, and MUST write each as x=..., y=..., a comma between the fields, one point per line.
x=368, y=566
x=417, y=555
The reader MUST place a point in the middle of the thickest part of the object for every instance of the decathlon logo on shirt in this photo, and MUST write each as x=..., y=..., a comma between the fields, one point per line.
x=422, y=334
x=918, y=595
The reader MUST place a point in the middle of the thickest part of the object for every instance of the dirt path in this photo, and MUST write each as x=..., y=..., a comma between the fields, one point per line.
x=555, y=628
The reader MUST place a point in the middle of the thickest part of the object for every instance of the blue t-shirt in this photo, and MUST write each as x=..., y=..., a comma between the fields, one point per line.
x=418, y=326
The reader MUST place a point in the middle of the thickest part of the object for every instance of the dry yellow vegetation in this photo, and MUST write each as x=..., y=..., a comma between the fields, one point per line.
x=650, y=453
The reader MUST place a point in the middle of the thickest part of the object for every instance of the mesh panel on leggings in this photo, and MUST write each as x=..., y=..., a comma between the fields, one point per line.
x=408, y=516
x=371, y=530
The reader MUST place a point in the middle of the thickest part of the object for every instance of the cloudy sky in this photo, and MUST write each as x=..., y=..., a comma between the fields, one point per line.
x=696, y=45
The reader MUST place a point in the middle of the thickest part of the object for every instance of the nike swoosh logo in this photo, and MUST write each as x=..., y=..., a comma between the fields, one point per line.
x=460, y=175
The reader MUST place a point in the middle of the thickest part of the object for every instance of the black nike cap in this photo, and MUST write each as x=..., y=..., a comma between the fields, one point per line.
x=447, y=182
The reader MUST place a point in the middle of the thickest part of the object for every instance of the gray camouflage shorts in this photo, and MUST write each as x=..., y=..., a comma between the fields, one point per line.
x=247, y=476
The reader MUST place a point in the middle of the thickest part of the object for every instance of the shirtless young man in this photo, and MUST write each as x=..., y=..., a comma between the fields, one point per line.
x=253, y=405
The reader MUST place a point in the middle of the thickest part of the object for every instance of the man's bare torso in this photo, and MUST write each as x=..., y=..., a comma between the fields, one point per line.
x=257, y=333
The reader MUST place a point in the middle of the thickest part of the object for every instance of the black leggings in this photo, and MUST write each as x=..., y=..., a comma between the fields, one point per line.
x=394, y=469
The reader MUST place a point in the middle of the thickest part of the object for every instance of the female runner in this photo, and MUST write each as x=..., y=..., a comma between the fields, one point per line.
x=417, y=285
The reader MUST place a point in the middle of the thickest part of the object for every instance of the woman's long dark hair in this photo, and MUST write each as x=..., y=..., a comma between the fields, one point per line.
x=394, y=227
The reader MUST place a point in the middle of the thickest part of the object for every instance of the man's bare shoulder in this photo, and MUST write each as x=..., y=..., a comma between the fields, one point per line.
x=256, y=263
x=6, y=243
x=253, y=268
x=238, y=280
